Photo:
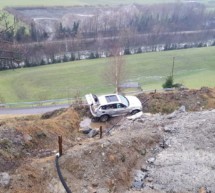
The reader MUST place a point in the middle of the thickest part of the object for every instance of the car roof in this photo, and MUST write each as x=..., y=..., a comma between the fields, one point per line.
x=109, y=99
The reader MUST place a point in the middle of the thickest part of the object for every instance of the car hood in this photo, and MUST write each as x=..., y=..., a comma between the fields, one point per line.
x=134, y=101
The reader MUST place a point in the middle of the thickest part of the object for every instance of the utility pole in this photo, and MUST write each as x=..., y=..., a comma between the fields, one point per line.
x=173, y=65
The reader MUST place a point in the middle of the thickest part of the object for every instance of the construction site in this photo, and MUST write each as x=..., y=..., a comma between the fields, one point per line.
x=169, y=148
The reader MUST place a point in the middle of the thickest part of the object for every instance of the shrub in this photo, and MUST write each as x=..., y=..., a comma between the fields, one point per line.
x=168, y=83
x=127, y=51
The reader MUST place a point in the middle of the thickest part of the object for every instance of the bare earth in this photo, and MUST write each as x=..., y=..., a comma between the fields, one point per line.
x=174, y=151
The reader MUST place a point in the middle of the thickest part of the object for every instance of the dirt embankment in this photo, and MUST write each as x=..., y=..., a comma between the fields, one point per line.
x=167, y=102
x=28, y=147
x=34, y=136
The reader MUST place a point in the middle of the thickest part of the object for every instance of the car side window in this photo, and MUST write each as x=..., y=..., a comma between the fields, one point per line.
x=120, y=105
x=112, y=106
x=103, y=107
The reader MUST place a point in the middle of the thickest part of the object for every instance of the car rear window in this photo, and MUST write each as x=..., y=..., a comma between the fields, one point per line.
x=111, y=98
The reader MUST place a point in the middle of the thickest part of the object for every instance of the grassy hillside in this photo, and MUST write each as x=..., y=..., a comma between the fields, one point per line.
x=193, y=67
x=77, y=2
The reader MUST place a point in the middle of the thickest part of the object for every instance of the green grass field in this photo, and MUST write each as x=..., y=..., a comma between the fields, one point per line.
x=193, y=67
x=77, y=2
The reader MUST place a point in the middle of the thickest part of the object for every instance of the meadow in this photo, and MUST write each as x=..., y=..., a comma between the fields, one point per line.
x=80, y=2
x=193, y=67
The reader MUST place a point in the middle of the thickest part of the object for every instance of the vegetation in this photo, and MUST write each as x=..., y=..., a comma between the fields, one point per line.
x=193, y=68
x=168, y=83
x=78, y=2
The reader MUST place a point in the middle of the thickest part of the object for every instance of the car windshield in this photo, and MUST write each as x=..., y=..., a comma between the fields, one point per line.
x=124, y=100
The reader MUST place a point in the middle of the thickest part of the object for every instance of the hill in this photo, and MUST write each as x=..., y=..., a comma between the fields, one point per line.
x=193, y=67
x=75, y=2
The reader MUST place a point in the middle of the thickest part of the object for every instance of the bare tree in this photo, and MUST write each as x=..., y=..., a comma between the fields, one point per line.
x=10, y=55
x=115, y=70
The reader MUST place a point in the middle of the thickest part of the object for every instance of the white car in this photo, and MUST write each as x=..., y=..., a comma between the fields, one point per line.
x=112, y=105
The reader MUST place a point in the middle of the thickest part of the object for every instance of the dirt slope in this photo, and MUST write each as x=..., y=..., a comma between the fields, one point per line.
x=167, y=102
x=181, y=144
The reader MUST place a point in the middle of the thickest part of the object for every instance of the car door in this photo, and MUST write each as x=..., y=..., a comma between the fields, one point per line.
x=119, y=109
x=106, y=109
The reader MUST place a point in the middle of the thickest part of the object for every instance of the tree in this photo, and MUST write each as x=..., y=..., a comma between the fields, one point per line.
x=115, y=68
x=10, y=54
x=6, y=29
x=21, y=34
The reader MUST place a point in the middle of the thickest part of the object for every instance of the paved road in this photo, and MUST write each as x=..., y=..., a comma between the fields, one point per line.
x=30, y=111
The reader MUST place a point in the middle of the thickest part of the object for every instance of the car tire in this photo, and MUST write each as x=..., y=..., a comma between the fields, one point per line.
x=104, y=118
x=135, y=112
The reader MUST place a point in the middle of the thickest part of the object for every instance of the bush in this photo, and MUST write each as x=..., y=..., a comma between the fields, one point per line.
x=139, y=51
x=127, y=51
x=168, y=83
x=72, y=58
x=65, y=59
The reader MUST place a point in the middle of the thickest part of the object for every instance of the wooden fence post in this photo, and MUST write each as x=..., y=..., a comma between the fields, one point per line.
x=100, y=131
x=60, y=140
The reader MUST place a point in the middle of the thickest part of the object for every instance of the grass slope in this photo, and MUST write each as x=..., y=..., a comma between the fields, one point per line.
x=77, y=2
x=193, y=67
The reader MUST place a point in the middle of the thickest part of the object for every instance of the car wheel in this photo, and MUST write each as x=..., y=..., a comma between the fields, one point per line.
x=135, y=112
x=104, y=118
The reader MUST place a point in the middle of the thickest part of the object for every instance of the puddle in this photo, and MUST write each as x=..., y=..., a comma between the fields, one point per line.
x=88, y=123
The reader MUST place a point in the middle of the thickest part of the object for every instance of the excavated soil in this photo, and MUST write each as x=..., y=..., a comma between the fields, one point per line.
x=178, y=145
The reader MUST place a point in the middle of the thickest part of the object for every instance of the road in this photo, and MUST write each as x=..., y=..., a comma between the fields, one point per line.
x=30, y=110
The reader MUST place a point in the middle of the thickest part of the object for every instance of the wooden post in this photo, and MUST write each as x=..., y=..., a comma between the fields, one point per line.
x=173, y=65
x=100, y=129
x=60, y=140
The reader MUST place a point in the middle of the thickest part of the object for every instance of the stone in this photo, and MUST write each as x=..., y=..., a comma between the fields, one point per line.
x=40, y=134
x=95, y=184
x=144, y=168
x=137, y=185
x=140, y=176
x=85, y=130
x=149, y=179
x=151, y=160
x=93, y=133
x=27, y=138
x=182, y=109
x=169, y=129
x=4, y=179
x=165, y=144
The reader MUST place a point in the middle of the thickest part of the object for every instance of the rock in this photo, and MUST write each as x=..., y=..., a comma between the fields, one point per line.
x=144, y=168
x=4, y=179
x=27, y=138
x=140, y=176
x=85, y=130
x=92, y=190
x=170, y=129
x=165, y=143
x=40, y=134
x=149, y=179
x=182, y=109
x=172, y=115
x=78, y=139
x=95, y=184
x=151, y=160
x=138, y=185
x=93, y=133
